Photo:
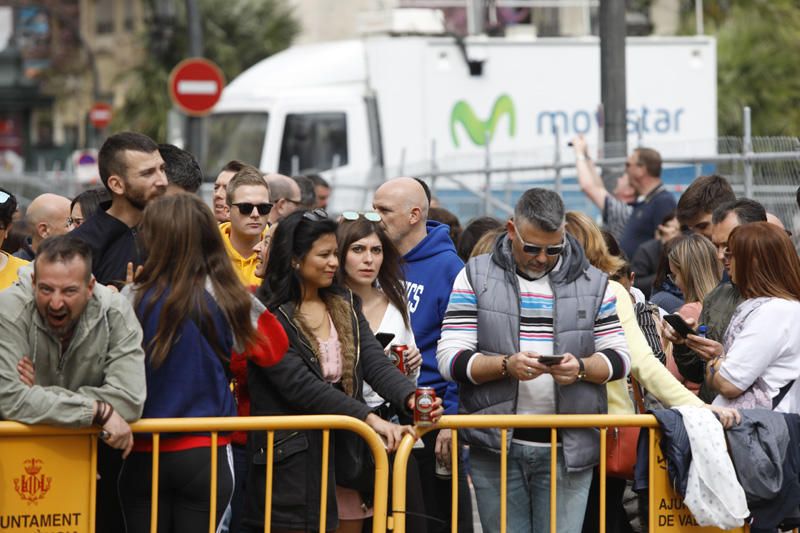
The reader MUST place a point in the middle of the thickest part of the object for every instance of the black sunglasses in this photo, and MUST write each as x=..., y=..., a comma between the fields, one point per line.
x=246, y=208
x=534, y=250
x=316, y=215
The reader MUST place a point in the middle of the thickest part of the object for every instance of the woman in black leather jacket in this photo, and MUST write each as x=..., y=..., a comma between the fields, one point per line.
x=331, y=351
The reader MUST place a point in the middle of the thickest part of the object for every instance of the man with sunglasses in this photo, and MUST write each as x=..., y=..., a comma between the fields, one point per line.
x=532, y=328
x=248, y=202
x=653, y=203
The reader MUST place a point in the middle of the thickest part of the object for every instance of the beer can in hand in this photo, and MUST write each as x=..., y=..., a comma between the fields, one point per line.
x=424, y=399
x=443, y=470
x=397, y=356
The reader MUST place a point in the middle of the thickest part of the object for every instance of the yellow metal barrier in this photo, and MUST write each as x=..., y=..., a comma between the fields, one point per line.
x=23, y=447
x=658, y=479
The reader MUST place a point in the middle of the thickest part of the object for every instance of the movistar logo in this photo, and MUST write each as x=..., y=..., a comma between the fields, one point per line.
x=478, y=130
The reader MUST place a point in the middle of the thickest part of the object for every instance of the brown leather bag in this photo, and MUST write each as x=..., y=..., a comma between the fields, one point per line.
x=621, y=442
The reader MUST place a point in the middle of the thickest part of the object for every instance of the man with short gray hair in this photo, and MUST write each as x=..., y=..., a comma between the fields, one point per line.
x=532, y=328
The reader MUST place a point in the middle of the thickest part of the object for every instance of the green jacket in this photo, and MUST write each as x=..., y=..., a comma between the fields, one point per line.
x=718, y=308
x=104, y=360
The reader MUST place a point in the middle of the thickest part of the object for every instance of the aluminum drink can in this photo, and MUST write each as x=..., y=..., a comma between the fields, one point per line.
x=396, y=356
x=423, y=406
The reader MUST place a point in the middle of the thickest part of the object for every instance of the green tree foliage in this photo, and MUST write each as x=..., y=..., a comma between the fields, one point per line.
x=758, y=42
x=236, y=35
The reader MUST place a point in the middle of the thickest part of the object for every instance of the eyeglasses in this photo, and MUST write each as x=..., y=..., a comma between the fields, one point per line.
x=295, y=202
x=534, y=250
x=74, y=221
x=372, y=216
x=246, y=208
x=317, y=215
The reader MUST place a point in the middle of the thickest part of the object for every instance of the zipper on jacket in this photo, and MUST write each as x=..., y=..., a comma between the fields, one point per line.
x=297, y=331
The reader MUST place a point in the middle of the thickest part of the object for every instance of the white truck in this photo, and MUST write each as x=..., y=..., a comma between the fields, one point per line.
x=359, y=111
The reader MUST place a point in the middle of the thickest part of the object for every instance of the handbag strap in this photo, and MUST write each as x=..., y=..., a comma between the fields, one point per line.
x=638, y=400
x=781, y=393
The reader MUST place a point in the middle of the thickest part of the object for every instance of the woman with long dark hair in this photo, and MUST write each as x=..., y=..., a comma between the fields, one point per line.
x=193, y=312
x=331, y=352
x=371, y=266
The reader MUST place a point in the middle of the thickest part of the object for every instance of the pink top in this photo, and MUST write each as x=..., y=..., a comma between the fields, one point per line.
x=330, y=355
x=691, y=310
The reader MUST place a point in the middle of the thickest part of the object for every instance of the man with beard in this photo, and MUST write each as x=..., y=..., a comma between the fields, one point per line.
x=71, y=355
x=133, y=171
x=532, y=328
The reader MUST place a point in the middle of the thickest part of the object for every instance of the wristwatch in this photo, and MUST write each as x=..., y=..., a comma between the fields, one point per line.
x=581, y=369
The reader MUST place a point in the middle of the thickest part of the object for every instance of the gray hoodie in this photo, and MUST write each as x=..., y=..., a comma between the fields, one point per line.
x=104, y=360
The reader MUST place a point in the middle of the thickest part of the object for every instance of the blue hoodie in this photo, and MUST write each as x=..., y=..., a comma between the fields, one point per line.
x=430, y=270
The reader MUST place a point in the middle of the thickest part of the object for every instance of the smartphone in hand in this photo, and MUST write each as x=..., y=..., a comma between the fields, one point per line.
x=679, y=325
x=384, y=338
x=551, y=360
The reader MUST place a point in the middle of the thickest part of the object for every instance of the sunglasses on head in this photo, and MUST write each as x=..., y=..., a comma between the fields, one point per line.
x=4, y=196
x=246, y=208
x=533, y=249
x=316, y=215
x=372, y=216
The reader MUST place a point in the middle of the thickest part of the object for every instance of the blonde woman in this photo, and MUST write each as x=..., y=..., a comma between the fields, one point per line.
x=645, y=367
x=695, y=270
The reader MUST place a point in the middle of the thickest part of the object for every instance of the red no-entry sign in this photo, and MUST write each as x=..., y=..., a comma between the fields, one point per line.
x=100, y=115
x=195, y=85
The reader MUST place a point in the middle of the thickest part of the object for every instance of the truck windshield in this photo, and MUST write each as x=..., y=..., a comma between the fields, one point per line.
x=313, y=142
x=235, y=136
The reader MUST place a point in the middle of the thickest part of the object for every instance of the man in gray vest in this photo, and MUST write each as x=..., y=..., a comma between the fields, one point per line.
x=532, y=328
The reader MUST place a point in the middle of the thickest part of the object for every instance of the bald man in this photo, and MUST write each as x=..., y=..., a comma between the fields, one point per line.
x=47, y=215
x=285, y=195
x=431, y=266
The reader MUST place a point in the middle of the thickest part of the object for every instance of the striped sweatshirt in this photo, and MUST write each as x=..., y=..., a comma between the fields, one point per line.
x=460, y=337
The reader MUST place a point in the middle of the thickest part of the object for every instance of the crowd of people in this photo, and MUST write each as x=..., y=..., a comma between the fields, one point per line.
x=138, y=300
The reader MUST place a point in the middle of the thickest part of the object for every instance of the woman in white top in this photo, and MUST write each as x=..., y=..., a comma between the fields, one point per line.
x=758, y=364
x=370, y=266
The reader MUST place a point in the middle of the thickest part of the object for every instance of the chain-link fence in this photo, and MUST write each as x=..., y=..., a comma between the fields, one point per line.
x=766, y=169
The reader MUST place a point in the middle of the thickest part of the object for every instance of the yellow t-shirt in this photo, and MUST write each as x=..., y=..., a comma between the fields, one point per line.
x=8, y=275
x=245, y=266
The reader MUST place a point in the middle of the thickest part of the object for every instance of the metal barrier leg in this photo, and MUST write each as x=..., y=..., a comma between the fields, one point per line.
x=651, y=502
x=503, y=480
x=398, y=511
x=268, y=487
x=553, y=479
x=323, y=497
x=154, y=484
x=454, y=479
x=93, y=486
x=602, y=481
x=212, y=503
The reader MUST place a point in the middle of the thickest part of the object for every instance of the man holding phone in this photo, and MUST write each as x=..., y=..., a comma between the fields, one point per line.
x=532, y=328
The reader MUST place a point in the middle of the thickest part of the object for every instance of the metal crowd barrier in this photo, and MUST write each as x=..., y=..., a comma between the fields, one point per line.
x=53, y=471
x=35, y=481
x=552, y=422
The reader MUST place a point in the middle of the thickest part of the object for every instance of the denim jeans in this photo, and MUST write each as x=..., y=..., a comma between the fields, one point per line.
x=528, y=490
